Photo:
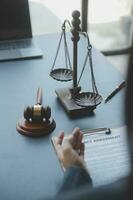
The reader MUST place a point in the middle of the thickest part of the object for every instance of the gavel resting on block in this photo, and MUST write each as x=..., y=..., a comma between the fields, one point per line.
x=37, y=119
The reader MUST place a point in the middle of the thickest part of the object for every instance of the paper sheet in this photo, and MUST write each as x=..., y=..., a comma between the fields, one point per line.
x=107, y=156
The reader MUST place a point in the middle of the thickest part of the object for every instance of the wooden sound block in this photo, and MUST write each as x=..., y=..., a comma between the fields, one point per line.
x=35, y=129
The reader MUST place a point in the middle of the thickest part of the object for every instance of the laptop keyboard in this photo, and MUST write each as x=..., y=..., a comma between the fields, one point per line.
x=16, y=45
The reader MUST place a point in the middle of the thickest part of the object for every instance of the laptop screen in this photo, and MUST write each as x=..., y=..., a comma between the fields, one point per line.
x=14, y=20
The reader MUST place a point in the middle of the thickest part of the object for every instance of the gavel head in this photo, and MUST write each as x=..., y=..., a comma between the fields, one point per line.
x=37, y=113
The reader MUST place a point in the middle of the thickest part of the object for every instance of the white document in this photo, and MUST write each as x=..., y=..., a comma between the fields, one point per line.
x=107, y=156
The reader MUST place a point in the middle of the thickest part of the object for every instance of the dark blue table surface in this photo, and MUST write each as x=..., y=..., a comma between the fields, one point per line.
x=29, y=168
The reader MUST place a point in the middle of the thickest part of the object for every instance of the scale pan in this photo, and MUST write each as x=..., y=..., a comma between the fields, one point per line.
x=88, y=99
x=62, y=74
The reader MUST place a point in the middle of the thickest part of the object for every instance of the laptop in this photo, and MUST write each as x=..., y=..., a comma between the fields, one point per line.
x=16, y=40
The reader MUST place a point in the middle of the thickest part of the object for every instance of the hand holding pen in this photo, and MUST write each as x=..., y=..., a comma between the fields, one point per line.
x=117, y=89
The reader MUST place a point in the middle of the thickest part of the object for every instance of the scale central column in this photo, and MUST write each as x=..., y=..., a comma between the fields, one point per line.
x=75, y=38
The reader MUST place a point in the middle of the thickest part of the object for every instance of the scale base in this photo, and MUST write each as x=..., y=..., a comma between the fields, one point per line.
x=73, y=110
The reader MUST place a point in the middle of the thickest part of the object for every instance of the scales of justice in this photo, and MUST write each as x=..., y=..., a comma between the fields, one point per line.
x=74, y=100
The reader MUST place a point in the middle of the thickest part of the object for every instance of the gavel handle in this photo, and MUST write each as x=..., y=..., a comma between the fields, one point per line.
x=39, y=96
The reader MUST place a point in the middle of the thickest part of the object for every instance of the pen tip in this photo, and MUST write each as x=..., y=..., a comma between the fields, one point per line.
x=105, y=100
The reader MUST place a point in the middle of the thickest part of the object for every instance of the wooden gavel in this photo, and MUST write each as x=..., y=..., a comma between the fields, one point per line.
x=37, y=113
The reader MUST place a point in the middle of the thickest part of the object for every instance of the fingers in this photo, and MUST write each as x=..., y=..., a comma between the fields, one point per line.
x=77, y=138
x=60, y=138
x=57, y=143
x=82, y=150
x=70, y=141
x=79, y=142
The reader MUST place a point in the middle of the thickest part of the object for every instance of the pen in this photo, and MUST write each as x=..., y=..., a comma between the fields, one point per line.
x=118, y=88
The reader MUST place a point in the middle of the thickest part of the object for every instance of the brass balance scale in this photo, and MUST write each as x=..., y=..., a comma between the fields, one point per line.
x=75, y=101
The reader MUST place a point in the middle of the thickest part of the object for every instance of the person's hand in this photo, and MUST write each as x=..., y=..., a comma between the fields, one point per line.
x=70, y=148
